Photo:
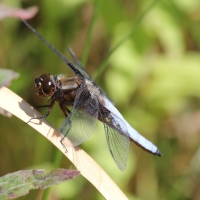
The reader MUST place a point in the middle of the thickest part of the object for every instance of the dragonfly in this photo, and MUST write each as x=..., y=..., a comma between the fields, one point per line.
x=88, y=103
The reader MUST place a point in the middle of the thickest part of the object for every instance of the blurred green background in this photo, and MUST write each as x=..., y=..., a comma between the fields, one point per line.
x=153, y=77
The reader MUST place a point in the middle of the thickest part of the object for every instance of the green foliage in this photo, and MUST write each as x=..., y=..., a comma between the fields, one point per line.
x=19, y=183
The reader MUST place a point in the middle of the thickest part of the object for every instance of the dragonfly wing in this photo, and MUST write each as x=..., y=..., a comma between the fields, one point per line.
x=70, y=64
x=81, y=69
x=117, y=138
x=80, y=123
x=133, y=134
x=78, y=65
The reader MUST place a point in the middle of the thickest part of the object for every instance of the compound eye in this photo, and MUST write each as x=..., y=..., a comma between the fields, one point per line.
x=37, y=85
x=44, y=85
x=49, y=83
x=48, y=88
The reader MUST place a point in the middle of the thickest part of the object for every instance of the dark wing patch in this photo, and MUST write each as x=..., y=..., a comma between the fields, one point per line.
x=80, y=123
x=117, y=138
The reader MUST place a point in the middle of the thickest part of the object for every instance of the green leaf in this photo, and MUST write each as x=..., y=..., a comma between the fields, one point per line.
x=19, y=183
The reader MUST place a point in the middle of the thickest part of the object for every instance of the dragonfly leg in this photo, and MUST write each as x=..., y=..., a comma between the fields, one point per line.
x=42, y=106
x=64, y=109
x=64, y=147
x=50, y=106
x=67, y=122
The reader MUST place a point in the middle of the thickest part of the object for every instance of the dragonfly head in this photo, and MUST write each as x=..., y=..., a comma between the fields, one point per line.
x=44, y=85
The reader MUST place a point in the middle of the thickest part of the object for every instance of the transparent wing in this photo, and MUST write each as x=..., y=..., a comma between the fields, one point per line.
x=78, y=65
x=80, y=123
x=80, y=68
x=117, y=138
x=70, y=64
